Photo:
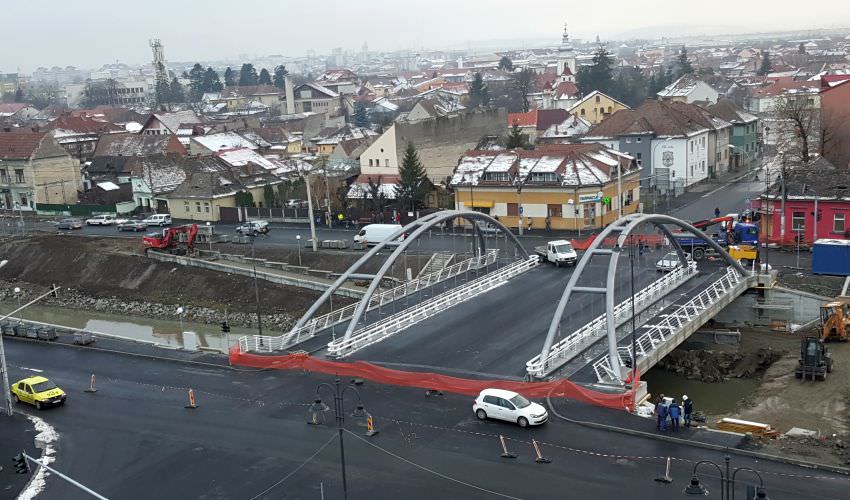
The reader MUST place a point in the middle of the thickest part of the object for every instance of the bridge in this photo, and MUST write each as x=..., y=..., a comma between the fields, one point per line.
x=582, y=331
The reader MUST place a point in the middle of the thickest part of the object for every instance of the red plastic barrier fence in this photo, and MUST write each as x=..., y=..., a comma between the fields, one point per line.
x=428, y=380
x=649, y=239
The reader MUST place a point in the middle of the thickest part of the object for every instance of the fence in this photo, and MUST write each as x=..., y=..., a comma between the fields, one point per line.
x=72, y=210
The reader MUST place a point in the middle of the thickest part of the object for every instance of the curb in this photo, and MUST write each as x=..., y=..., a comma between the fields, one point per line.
x=699, y=444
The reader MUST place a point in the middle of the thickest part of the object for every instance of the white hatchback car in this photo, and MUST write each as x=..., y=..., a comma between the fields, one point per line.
x=509, y=406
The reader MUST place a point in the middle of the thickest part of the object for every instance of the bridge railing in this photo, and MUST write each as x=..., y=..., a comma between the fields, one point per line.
x=268, y=343
x=573, y=344
x=391, y=325
x=682, y=317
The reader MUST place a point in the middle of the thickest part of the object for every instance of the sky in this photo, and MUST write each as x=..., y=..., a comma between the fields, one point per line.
x=89, y=33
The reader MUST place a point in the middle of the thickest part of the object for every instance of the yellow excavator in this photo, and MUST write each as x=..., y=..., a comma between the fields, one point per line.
x=745, y=254
x=835, y=320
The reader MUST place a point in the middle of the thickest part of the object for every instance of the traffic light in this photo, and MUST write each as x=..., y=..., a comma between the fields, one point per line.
x=21, y=464
x=225, y=328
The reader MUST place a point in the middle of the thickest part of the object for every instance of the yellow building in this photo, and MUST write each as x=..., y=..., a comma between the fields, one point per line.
x=574, y=186
x=596, y=106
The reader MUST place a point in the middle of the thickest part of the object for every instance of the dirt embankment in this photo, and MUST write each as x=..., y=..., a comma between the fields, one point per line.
x=717, y=366
x=104, y=270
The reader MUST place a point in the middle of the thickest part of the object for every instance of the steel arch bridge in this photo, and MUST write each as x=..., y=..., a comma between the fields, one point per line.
x=622, y=229
x=414, y=230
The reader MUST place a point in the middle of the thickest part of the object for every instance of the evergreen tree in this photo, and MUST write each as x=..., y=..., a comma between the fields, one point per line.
x=685, y=66
x=765, y=64
x=244, y=199
x=516, y=139
x=162, y=92
x=413, y=184
x=196, y=81
x=361, y=117
x=19, y=95
x=211, y=82
x=229, y=77
x=802, y=48
x=248, y=75
x=265, y=77
x=176, y=92
x=478, y=93
x=506, y=64
x=279, y=76
x=599, y=75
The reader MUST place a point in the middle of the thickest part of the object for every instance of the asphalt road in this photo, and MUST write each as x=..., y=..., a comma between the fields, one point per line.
x=134, y=439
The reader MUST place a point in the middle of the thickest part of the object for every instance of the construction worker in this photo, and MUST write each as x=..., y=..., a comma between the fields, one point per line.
x=675, y=413
x=661, y=413
x=688, y=409
x=716, y=212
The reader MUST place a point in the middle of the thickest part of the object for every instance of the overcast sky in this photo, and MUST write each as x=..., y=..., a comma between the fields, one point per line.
x=88, y=33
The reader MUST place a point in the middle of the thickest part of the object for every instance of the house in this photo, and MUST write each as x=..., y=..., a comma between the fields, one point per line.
x=536, y=121
x=35, y=169
x=18, y=112
x=596, y=106
x=340, y=81
x=835, y=123
x=745, y=127
x=183, y=124
x=669, y=142
x=817, y=204
x=127, y=144
x=326, y=141
x=689, y=89
x=576, y=186
x=430, y=108
x=79, y=134
x=565, y=132
x=312, y=97
x=209, y=144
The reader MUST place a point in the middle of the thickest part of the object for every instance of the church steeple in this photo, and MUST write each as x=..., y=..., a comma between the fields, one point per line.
x=565, y=38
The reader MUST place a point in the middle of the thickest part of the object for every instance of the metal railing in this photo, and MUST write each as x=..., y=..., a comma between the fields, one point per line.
x=573, y=344
x=391, y=325
x=437, y=262
x=266, y=343
x=672, y=323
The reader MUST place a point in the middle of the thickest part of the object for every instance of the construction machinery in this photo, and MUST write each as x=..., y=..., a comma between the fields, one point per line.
x=170, y=240
x=835, y=320
x=815, y=360
x=744, y=236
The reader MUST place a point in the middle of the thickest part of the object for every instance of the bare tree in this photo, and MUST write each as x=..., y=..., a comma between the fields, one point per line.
x=798, y=117
x=522, y=86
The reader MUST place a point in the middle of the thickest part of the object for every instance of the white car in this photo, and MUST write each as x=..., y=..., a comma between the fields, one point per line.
x=510, y=406
x=158, y=220
x=670, y=262
x=101, y=220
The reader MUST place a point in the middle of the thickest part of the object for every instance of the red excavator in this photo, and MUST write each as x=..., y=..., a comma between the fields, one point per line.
x=169, y=240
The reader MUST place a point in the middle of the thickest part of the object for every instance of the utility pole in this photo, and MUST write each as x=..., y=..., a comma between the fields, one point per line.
x=782, y=201
x=306, y=178
x=619, y=190
x=327, y=189
x=256, y=287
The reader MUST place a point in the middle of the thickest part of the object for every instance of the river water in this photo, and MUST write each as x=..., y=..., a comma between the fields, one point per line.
x=710, y=398
x=166, y=332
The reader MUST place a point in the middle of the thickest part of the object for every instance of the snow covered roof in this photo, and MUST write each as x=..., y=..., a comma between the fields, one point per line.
x=386, y=185
x=224, y=140
x=108, y=186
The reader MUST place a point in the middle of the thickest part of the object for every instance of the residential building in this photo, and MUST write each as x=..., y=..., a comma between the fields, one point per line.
x=17, y=112
x=433, y=107
x=35, y=169
x=127, y=144
x=536, y=121
x=596, y=106
x=312, y=97
x=340, y=81
x=689, y=89
x=745, y=130
x=183, y=124
x=575, y=186
x=79, y=134
x=121, y=92
x=569, y=130
x=209, y=144
x=835, y=124
x=327, y=140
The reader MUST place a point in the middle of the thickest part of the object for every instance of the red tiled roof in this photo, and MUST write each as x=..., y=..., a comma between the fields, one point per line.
x=548, y=117
x=567, y=71
x=523, y=119
x=19, y=145
x=566, y=88
x=12, y=107
x=83, y=124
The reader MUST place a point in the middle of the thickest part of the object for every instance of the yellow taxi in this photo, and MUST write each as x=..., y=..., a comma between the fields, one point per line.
x=37, y=391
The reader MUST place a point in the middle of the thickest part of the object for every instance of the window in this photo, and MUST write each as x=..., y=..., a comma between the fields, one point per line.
x=513, y=210
x=638, y=139
x=206, y=207
x=19, y=175
x=370, y=162
x=386, y=162
x=692, y=146
x=553, y=209
x=597, y=98
x=838, y=223
x=198, y=206
x=186, y=206
x=638, y=156
x=4, y=176
x=798, y=221
x=610, y=109
x=628, y=140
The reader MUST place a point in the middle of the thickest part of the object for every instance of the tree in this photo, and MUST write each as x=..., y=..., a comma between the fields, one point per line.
x=280, y=76
x=478, y=93
x=196, y=81
x=244, y=199
x=413, y=184
x=797, y=126
x=361, y=117
x=685, y=66
x=176, y=92
x=268, y=195
x=506, y=64
x=265, y=78
x=229, y=77
x=211, y=82
x=765, y=64
x=516, y=139
x=162, y=92
x=522, y=86
x=599, y=75
x=19, y=95
x=374, y=194
x=630, y=86
x=248, y=75
x=802, y=48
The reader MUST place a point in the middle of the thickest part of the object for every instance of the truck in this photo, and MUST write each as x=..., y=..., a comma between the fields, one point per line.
x=557, y=252
x=743, y=235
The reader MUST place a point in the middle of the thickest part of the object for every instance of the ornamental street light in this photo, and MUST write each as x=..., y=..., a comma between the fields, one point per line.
x=180, y=312
x=727, y=481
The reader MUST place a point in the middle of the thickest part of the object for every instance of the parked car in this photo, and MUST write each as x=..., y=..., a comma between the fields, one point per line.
x=158, y=220
x=253, y=227
x=132, y=225
x=295, y=203
x=670, y=262
x=37, y=391
x=509, y=406
x=69, y=224
x=101, y=220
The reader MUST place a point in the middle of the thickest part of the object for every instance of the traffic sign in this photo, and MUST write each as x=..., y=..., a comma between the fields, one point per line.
x=520, y=210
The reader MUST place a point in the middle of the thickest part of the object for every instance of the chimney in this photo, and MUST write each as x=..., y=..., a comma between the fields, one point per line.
x=290, y=95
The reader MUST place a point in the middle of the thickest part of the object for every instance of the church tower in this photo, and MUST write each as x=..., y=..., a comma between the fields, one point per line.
x=566, y=55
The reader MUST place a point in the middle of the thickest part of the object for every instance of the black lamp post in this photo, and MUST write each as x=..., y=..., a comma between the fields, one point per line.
x=337, y=392
x=727, y=481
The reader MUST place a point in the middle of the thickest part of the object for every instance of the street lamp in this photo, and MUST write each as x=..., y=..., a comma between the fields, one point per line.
x=727, y=481
x=298, y=244
x=180, y=312
x=209, y=234
x=337, y=392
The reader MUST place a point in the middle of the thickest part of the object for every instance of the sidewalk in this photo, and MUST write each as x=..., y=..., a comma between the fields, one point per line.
x=16, y=434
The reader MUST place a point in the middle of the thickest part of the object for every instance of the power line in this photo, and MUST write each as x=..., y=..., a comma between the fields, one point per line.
x=422, y=467
x=305, y=462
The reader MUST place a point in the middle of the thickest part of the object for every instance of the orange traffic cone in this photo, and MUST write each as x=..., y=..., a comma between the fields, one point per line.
x=192, y=404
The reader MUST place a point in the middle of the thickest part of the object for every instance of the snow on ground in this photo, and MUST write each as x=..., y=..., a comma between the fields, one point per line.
x=45, y=440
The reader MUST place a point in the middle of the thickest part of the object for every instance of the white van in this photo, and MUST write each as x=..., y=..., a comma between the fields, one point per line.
x=158, y=220
x=373, y=234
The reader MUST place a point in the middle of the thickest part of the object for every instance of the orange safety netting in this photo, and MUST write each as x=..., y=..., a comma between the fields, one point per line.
x=432, y=381
x=648, y=239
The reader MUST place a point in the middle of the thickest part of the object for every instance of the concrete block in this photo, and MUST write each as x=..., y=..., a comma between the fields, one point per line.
x=276, y=265
x=298, y=269
x=320, y=273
